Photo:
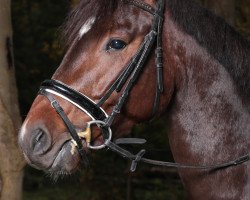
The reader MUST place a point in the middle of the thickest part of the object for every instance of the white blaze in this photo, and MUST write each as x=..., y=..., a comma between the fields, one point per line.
x=87, y=26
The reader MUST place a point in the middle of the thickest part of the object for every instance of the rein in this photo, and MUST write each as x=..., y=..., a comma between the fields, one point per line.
x=126, y=80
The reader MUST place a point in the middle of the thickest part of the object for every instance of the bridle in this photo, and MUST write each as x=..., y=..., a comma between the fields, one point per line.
x=124, y=83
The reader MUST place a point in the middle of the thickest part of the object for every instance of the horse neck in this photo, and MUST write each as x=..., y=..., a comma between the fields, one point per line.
x=209, y=113
x=209, y=104
x=209, y=116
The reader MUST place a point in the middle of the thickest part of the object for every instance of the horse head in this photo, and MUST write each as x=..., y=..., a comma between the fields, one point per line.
x=103, y=38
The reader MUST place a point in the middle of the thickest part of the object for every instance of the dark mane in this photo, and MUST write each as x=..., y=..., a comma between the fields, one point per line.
x=220, y=39
x=101, y=9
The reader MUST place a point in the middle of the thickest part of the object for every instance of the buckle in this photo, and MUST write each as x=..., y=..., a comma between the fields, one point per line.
x=87, y=134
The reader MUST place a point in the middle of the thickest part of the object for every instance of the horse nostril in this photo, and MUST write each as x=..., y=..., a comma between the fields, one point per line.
x=40, y=135
x=40, y=142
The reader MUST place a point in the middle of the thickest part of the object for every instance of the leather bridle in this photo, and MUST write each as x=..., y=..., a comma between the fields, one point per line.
x=124, y=83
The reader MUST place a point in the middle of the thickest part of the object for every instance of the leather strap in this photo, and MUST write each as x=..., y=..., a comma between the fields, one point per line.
x=133, y=78
x=158, y=60
x=139, y=158
x=130, y=141
x=83, y=101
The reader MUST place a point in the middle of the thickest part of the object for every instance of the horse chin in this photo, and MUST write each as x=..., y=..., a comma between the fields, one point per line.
x=67, y=158
x=66, y=162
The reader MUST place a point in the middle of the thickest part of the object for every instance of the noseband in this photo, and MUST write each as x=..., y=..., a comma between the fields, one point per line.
x=125, y=81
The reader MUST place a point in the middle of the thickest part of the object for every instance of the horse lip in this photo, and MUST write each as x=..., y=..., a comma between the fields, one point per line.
x=58, y=153
x=97, y=140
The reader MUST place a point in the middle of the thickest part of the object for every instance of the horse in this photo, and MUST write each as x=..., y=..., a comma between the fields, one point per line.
x=108, y=82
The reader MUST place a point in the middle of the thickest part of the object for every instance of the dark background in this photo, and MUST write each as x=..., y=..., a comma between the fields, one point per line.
x=37, y=54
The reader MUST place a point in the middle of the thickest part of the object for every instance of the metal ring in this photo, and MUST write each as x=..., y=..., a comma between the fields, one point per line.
x=98, y=122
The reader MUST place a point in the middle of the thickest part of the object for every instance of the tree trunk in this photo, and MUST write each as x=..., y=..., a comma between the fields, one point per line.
x=223, y=8
x=11, y=159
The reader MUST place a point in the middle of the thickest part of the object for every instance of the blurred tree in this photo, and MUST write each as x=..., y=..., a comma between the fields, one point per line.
x=12, y=162
x=243, y=17
x=223, y=8
x=37, y=46
x=235, y=12
x=74, y=2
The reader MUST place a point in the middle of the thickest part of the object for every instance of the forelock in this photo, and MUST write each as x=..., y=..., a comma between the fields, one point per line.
x=82, y=13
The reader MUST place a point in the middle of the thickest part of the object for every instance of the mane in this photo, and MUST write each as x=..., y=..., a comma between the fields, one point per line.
x=101, y=9
x=219, y=38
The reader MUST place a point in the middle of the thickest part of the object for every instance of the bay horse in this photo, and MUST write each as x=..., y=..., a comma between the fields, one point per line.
x=108, y=82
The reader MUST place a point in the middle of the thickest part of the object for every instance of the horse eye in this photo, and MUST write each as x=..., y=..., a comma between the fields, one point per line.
x=116, y=45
